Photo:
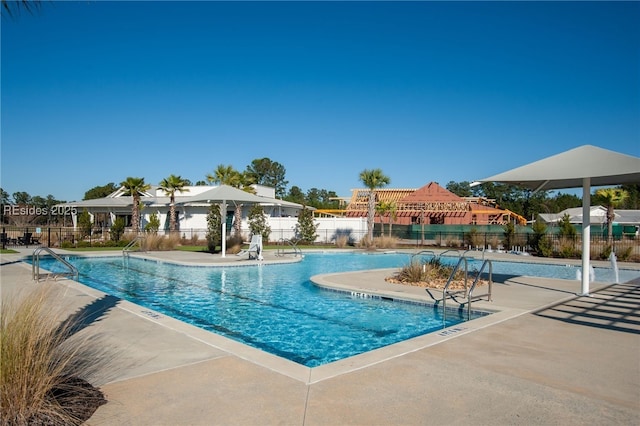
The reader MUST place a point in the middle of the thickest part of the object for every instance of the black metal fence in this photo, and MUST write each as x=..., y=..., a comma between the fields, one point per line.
x=627, y=247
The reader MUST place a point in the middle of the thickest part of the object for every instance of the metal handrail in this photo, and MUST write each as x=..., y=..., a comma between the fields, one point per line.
x=129, y=247
x=452, y=250
x=296, y=249
x=467, y=293
x=471, y=297
x=35, y=264
x=423, y=252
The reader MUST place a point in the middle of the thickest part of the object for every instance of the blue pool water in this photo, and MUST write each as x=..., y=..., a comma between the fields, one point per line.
x=276, y=308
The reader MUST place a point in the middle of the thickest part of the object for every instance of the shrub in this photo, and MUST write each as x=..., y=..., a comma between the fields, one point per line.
x=566, y=227
x=606, y=252
x=234, y=244
x=342, y=241
x=539, y=238
x=453, y=242
x=214, y=223
x=625, y=254
x=153, y=225
x=509, y=235
x=568, y=248
x=494, y=242
x=258, y=224
x=117, y=229
x=431, y=271
x=84, y=223
x=366, y=243
x=44, y=366
x=306, y=228
x=160, y=242
x=473, y=238
x=385, y=242
x=544, y=247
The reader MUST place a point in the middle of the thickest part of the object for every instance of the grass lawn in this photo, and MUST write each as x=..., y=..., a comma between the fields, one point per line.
x=94, y=248
x=202, y=249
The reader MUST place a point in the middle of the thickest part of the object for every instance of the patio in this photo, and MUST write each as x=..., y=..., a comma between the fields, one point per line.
x=548, y=357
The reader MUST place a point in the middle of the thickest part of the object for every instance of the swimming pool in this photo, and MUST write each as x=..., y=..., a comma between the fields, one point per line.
x=276, y=308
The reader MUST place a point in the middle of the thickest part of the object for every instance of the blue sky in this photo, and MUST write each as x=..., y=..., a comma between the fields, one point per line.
x=94, y=92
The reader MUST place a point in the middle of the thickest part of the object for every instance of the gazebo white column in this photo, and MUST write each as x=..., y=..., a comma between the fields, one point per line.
x=586, y=236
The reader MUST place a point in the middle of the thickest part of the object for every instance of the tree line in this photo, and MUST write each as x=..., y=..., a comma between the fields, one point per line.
x=267, y=172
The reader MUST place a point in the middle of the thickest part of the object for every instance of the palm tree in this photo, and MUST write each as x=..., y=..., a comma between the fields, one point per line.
x=170, y=186
x=227, y=175
x=393, y=213
x=385, y=208
x=373, y=179
x=611, y=198
x=224, y=175
x=381, y=209
x=134, y=186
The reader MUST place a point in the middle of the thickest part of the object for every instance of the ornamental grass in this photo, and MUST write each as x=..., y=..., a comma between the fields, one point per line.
x=44, y=365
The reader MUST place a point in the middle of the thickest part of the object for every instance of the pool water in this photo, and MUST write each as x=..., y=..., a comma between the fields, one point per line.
x=276, y=308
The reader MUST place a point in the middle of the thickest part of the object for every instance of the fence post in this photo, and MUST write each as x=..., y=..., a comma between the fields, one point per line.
x=49, y=237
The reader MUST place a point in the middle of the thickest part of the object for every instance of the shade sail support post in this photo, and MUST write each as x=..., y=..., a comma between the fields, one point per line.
x=223, y=245
x=586, y=236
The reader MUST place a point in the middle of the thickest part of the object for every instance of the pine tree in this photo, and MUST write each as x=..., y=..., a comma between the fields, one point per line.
x=306, y=228
x=214, y=225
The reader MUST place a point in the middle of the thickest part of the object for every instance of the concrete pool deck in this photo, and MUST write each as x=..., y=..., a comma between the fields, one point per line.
x=546, y=356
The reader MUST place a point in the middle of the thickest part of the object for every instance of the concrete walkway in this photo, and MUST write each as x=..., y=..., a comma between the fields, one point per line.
x=544, y=357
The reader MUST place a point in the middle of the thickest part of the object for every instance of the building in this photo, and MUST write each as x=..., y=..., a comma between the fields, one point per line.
x=625, y=222
x=191, y=207
x=432, y=205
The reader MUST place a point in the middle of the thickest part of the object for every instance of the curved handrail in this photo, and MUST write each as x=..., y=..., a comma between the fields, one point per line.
x=423, y=252
x=468, y=291
x=471, y=297
x=292, y=244
x=35, y=263
x=452, y=250
x=129, y=247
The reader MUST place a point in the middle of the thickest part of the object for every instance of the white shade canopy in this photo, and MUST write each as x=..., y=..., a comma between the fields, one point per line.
x=224, y=194
x=568, y=169
x=583, y=166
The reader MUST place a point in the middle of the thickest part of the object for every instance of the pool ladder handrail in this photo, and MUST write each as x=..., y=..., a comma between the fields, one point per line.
x=35, y=265
x=129, y=247
x=450, y=250
x=296, y=250
x=467, y=293
x=422, y=253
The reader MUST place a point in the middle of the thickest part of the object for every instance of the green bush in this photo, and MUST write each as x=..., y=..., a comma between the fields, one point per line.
x=306, y=228
x=606, y=252
x=84, y=223
x=540, y=242
x=544, y=247
x=625, y=254
x=117, y=229
x=214, y=223
x=153, y=225
x=258, y=222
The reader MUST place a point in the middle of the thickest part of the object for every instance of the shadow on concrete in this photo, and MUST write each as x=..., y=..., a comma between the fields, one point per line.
x=616, y=307
x=87, y=315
